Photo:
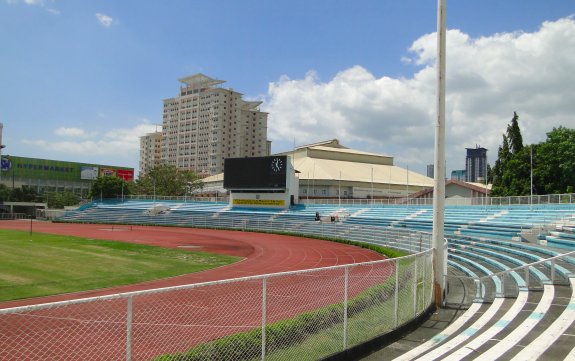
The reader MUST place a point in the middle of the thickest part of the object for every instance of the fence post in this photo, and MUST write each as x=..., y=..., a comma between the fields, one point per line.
x=264, y=292
x=345, y=287
x=477, y=288
x=396, y=316
x=553, y=271
x=415, y=286
x=129, y=330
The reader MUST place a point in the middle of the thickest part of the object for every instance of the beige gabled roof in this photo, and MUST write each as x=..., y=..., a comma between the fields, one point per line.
x=347, y=151
x=332, y=143
x=326, y=169
x=214, y=178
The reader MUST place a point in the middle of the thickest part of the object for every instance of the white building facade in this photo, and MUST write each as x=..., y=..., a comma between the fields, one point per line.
x=150, y=151
x=206, y=123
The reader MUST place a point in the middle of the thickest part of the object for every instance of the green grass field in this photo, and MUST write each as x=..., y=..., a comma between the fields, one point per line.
x=45, y=264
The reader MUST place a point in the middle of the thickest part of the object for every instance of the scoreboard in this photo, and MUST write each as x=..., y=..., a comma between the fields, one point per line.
x=255, y=173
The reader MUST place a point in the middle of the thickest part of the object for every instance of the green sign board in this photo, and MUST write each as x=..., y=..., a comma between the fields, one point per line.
x=33, y=168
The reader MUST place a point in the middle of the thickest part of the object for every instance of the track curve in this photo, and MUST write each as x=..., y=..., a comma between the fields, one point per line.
x=262, y=253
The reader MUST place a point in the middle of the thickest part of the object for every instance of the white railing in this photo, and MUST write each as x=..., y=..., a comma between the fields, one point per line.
x=190, y=198
x=568, y=198
x=314, y=312
x=11, y=216
x=531, y=276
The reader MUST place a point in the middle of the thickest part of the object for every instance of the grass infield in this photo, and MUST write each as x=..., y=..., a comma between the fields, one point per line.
x=45, y=264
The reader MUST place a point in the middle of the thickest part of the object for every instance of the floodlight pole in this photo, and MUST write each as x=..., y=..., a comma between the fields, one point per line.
x=439, y=260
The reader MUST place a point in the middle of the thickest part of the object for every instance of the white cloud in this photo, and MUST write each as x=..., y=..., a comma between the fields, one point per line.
x=119, y=144
x=40, y=3
x=105, y=20
x=71, y=132
x=488, y=78
x=27, y=2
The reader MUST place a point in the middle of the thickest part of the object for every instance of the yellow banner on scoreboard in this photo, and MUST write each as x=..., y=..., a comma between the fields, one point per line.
x=259, y=202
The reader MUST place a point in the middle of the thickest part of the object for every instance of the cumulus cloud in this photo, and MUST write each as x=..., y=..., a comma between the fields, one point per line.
x=105, y=20
x=488, y=78
x=71, y=132
x=119, y=143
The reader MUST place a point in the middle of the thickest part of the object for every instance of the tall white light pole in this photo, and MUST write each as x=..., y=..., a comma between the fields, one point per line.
x=439, y=261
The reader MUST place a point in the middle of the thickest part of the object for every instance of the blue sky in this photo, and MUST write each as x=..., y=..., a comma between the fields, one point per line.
x=82, y=80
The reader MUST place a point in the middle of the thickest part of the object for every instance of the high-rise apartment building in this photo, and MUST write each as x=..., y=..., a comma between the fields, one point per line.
x=150, y=151
x=206, y=123
x=476, y=164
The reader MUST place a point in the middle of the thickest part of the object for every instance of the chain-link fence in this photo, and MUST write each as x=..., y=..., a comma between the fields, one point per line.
x=306, y=314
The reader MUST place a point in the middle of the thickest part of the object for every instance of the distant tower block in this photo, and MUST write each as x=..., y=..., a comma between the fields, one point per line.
x=476, y=164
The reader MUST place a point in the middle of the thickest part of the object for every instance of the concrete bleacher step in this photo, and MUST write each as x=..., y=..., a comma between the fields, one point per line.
x=359, y=212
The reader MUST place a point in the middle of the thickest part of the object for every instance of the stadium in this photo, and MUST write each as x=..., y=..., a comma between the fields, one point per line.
x=296, y=294
x=319, y=253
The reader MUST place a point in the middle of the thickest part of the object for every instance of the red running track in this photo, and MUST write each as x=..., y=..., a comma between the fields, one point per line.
x=174, y=321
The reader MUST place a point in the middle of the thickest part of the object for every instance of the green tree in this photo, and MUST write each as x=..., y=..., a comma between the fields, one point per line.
x=25, y=194
x=5, y=193
x=554, y=162
x=514, y=135
x=508, y=170
x=167, y=180
x=517, y=176
x=62, y=199
x=109, y=187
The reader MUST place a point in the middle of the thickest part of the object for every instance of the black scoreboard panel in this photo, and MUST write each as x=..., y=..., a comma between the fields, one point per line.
x=255, y=173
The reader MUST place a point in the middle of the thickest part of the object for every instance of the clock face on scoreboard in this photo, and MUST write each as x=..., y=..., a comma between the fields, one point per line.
x=255, y=173
x=277, y=165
